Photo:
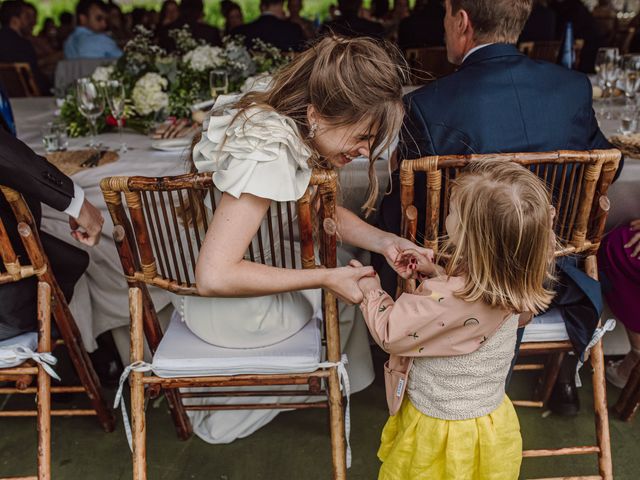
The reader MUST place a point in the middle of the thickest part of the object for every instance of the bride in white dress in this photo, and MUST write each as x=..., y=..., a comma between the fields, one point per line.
x=338, y=100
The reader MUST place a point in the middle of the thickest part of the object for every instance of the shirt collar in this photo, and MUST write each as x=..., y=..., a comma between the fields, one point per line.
x=475, y=49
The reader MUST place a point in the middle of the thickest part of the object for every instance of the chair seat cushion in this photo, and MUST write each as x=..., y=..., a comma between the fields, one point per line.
x=182, y=354
x=548, y=327
x=8, y=358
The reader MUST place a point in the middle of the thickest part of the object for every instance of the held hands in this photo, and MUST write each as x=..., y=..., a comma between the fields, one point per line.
x=87, y=227
x=634, y=243
x=393, y=249
x=344, y=281
x=418, y=264
x=368, y=283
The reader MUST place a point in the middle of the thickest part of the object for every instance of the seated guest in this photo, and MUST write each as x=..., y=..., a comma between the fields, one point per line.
x=169, y=13
x=307, y=26
x=67, y=24
x=48, y=55
x=88, y=40
x=191, y=15
x=15, y=47
x=272, y=27
x=49, y=33
x=232, y=14
x=116, y=26
x=39, y=181
x=350, y=24
x=424, y=27
x=499, y=100
x=541, y=25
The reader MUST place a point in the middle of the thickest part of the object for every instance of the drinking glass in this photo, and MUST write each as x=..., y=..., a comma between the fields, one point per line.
x=219, y=83
x=628, y=120
x=55, y=137
x=631, y=75
x=90, y=105
x=608, y=68
x=114, y=91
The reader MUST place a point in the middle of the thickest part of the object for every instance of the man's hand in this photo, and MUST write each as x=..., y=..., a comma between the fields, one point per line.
x=88, y=226
x=634, y=243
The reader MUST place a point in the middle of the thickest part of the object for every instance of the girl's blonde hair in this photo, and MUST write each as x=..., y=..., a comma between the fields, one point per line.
x=346, y=80
x=504, y=241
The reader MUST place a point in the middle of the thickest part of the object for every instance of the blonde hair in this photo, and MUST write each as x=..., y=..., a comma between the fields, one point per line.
x=504, y=241
x=346, y=81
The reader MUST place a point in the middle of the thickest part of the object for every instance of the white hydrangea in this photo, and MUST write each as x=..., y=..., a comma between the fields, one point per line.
x=204, y=58
x=148, y=94
x=102, y=74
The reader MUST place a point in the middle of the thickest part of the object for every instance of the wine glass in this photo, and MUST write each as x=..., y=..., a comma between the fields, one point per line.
x=90, y=105
x=114, y=90
x=219, y=83
x=631, y=75
x=608, y=68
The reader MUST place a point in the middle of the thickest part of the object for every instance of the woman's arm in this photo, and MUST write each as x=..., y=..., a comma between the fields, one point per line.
x=222, y=271
x=355, y=231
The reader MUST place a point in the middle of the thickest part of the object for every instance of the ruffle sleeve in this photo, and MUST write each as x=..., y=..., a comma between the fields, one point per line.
x=257, y=152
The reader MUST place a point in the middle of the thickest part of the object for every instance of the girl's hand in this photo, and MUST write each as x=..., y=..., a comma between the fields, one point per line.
x=634, y=243
x=343, y=282
x=366, y=284
x=393, y=249
x=418, y=264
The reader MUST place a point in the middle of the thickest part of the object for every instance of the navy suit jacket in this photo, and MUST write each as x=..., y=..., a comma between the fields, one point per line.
x=498, y=101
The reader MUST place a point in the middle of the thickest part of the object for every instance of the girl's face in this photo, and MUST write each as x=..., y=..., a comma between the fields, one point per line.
x=341, y=144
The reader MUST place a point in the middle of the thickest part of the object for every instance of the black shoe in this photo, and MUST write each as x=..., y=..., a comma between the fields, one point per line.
x=564, y=399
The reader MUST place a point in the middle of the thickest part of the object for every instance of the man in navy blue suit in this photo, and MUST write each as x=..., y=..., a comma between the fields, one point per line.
x=497, y=101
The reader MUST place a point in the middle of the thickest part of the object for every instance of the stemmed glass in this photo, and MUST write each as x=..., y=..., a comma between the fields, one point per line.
x=219, y=83
x=608, y=69
x=90, y=105
x=114, y=91
x=631, y=76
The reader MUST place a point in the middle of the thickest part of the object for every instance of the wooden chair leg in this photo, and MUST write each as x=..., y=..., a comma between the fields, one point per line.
x=549, y=377
x=44, y=383
x=336, y=422
x=605, y=464
x=138, y=420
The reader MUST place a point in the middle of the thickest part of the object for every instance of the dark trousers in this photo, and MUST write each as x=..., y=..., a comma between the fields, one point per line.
x=18, y=301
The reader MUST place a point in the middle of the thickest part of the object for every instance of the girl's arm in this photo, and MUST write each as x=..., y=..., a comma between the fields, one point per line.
x=355, y=231
x=222, y=271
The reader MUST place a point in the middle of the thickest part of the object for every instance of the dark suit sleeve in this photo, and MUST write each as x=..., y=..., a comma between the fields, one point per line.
x=32, y=175
x=415, y=139
x=597, y=140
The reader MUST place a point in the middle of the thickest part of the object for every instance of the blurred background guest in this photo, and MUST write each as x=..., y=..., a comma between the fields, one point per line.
x=350, y=24
x=192, y=15
x=308, y=28
x=232, y=14
x=116, y=26
x=424, y=27
x=16, y=48
x=49, y=33
x=541, y=25
x=272, y=27
x=89, y=39
x=169, y=13
x=67, y=24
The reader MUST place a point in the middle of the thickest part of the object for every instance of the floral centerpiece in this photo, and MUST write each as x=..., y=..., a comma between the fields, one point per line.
x=159, y=84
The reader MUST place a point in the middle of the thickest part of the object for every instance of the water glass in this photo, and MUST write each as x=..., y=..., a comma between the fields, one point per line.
x=90, y=104
x=628, y=121
x=114, y=91
x=55, y=137
x=219, y=83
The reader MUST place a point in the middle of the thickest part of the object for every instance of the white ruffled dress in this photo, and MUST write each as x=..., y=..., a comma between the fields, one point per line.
x=261, y=153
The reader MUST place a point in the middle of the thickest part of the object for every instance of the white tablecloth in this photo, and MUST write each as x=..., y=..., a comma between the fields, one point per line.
x=100, y=300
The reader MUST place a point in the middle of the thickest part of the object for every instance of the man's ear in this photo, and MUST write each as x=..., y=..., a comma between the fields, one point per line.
x=464, y=23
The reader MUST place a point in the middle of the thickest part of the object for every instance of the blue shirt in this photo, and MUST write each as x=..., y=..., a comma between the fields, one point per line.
x=85, y=43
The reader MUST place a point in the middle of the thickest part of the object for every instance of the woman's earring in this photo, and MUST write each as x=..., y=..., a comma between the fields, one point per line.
x=312, y=130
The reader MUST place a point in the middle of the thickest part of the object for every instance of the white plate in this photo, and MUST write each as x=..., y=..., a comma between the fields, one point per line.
x=171, y=144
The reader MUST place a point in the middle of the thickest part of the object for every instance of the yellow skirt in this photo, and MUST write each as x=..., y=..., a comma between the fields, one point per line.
x=418, y=447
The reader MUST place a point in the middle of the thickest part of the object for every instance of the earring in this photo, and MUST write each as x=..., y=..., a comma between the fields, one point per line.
x=312, y=130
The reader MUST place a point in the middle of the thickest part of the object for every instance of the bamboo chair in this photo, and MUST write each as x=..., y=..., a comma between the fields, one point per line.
x=18, y=80
x=39, y=267
x=428, y=64
x=154, y=252
x=580, y=181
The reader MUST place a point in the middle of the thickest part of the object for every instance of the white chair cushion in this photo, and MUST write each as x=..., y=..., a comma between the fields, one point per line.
x=182, y=354
x=548, y=327
x=8, y=357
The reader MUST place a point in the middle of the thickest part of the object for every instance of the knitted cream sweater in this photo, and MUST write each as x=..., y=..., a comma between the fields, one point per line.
x=464, y=386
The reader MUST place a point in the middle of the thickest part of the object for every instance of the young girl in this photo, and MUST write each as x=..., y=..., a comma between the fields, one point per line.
x=453, y=340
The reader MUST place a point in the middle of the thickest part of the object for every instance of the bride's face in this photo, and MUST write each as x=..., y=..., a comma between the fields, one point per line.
x=341, y=144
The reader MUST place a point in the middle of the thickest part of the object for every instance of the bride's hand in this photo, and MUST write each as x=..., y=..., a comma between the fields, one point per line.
x=343, y=282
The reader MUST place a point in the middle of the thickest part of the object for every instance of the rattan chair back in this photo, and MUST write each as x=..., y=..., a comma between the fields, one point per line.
x=18, y=80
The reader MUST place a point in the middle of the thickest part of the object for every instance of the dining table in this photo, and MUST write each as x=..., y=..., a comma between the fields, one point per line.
x=100, y=301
